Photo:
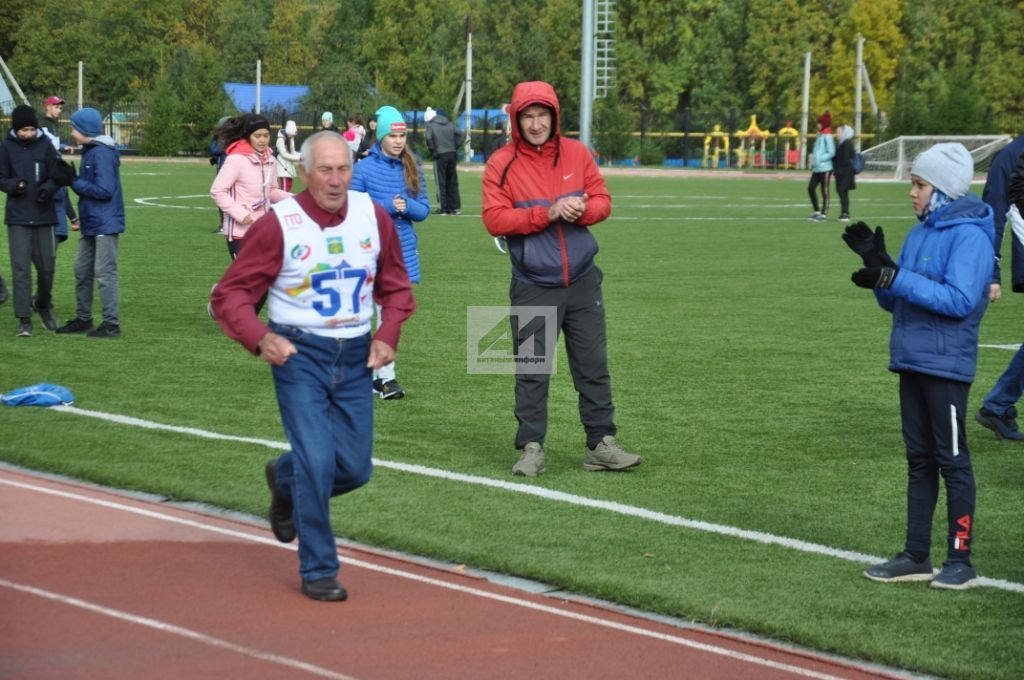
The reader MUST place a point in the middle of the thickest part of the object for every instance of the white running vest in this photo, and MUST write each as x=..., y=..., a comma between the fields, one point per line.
x=326, y=281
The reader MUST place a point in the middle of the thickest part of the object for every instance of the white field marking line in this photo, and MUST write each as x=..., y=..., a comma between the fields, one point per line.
x=148, y=201
x=389, y=571
x=548, y=494
x=164, y=627
x=684, y=218
x=1012, y=348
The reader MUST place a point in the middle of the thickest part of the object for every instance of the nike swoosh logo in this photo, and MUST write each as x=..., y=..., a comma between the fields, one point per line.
x=565, y=177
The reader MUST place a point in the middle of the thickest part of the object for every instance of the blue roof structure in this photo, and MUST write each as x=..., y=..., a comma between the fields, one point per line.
x=271, y=96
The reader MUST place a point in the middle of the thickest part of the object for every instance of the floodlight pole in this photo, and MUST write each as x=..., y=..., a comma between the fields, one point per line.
x=805, y=107
x=467, y=145
x=858, y=87
x=259, y=77
x=587, y=78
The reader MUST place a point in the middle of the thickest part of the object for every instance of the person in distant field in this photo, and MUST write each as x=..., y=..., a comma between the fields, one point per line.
x=544, y=192
x=1004, y=189
x=287, y=155
x=53, y=129
x=246, y=185
x=369, y=139
x=443, y=140
x=937, y=293
x=354, y=133
x=28, y=175
x=318, y=342
x=821, y=168
x=327, y=122
x=101, y=211
x=843, y=163
x=393, y=177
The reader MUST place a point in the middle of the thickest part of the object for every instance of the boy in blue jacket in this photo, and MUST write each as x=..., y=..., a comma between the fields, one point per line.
x=937, y=292
x=101, y=216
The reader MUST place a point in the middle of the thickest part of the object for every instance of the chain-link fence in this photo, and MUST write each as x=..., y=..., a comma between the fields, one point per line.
x=725, y=139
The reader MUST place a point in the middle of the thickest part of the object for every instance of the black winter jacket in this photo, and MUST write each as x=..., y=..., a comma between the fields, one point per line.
x=34, y=161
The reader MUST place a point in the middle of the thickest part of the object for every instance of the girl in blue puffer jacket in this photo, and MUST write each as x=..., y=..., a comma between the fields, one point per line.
x=393, y=176
x=937, y=292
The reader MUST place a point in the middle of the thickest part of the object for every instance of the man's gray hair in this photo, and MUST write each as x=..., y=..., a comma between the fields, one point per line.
x=306, y=152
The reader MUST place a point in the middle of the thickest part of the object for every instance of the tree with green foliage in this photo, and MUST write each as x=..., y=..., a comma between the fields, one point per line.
x=161, y=126
x=613, y=128
x=198, y=81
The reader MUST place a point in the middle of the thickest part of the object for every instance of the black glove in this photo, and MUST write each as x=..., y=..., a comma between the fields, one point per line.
x=64, y=174
x=870, y=246
x=19, y=188
x=876, y=277
x=43, y=196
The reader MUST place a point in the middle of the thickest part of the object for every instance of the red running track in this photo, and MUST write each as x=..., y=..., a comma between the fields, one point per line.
x=97, y=584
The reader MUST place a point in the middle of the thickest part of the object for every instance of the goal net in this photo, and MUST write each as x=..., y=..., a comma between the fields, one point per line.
x=895, y=156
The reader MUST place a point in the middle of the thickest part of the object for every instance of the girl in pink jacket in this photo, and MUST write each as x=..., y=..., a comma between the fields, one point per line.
x=246, y=184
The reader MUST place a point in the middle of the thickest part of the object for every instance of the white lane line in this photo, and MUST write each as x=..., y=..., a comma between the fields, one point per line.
x=475, y=592
x=172, y=629
x=151, y=201
x=547, y=494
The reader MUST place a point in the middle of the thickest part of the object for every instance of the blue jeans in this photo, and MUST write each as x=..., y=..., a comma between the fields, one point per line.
x=325, y=397
x=1009, y=388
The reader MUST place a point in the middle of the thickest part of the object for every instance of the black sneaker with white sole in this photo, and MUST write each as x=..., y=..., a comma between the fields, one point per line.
x=901, y=568
x=388, y=389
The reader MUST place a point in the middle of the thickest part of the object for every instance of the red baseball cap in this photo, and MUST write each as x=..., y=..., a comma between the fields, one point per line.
x=53, y=100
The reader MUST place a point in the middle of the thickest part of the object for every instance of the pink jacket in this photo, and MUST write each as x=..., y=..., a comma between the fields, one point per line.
x=245, y=185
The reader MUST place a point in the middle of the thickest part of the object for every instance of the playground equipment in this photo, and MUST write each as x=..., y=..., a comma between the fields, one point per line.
x=716, y=143
x=751, y=151
x=789, y=135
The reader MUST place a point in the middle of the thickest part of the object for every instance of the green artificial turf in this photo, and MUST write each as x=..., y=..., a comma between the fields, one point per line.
x=748, y=372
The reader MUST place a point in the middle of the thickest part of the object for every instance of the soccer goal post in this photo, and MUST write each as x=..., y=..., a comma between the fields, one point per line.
x=895, y=156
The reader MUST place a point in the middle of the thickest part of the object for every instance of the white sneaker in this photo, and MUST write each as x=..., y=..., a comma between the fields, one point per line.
x=608, y=455
x=531, y=461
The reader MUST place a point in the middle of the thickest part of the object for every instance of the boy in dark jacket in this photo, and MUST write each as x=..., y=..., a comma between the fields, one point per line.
x=28, y=166
x=101, y=215
x=937, y=292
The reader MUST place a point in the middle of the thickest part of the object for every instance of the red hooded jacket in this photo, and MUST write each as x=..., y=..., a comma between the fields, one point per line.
x=521, y=181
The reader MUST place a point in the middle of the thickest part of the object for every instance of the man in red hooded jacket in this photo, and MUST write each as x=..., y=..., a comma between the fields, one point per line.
x=542, y=193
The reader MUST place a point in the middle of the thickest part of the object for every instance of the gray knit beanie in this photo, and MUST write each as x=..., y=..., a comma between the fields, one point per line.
x=948, y=167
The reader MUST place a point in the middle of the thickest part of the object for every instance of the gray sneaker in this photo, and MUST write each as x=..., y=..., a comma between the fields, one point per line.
x=608, y=455
x=900, y=568
x=955, y=576
x=531, y=461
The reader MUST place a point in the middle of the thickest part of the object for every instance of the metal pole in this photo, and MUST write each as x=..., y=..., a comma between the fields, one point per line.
x=81, y=79
x=259, y=78
x=587, y=72
x=805, y=107
x=859, y=86
x=468, y=145
x=12, y=81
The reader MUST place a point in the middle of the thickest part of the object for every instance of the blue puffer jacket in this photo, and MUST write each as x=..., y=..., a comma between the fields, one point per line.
x=941, y=291
x=101, y=203
x=382, y=177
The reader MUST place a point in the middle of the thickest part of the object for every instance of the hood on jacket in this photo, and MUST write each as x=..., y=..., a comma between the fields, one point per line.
x=845, y=132
x=243, y=147
x=105, y=140
x=527, y=94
